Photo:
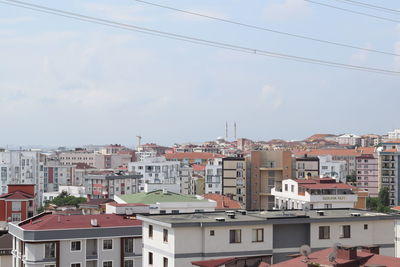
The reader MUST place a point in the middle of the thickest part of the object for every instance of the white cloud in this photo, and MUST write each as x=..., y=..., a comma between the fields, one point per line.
x=285, y=9
x=361, y=56
x=271, y=97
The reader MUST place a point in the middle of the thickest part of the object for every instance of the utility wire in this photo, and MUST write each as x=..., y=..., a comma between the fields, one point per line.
x=353, y=11
x=381, y=8
x=190, y=39
x=267, y=29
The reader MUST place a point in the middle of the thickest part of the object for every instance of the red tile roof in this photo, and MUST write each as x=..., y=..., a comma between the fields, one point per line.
x=198, y=167
x=17, y=195
x=366, y=150
x=192, y=155
x=333, y=152
x=212, y=263
x=223, y=202
x=62, y=222
x=321, y=257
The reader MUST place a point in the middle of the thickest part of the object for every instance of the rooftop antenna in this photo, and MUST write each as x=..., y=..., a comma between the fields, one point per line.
x=305, y=250
x=333, y=255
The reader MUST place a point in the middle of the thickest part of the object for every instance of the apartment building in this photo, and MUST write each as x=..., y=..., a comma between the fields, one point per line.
x=389, y=169
x=307, y=167
x=268, y=169
x=349, y=139
x=234, y=179
x=267, y=233
x=158, y=172
x=53, y=240
x=367, y=174
x=332, y=168
x=106, y=184
x=77, y=156
x=189, y=158
x=56, y=175
x=76, y=191
x=324, y=193
x=213, y=172
x=394, y=135
x=17, y=204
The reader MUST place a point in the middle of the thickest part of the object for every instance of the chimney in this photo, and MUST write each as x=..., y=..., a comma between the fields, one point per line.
x=347, y=253
x=373, y=249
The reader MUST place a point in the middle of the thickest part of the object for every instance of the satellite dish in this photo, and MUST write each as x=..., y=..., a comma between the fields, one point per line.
x=333, y=255
x=306, y=208
x=305, y=250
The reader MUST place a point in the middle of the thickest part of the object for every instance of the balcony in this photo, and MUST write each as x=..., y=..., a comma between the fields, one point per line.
x=91, y=249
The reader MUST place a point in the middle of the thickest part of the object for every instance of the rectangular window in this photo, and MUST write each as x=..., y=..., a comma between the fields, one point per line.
x=345, y=231
x=75, y=265
x=150, y=258
x=128, y=245
x=365, y=226
x=165, y=262
x=327, y=206
x=235, y=236
x=258, y=235
x=286, y=187
x=107, y=263
x=16, y=206
x=16, y=217
x=324, y=232
x=107, y=244
x=49, y=250
x=165, y=235
x=212, y=233
x=292, y=188
x=128, y=263
x=75, y=245
x=150, y=231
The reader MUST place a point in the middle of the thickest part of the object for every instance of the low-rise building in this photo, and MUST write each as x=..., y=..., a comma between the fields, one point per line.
x=307, y=167
x=106, y=240
x=18, y=204
x=162, y=201
x=274, y=233
x=324, y=193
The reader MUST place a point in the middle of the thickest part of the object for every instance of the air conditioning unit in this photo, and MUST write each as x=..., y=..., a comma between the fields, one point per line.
x=220, y=219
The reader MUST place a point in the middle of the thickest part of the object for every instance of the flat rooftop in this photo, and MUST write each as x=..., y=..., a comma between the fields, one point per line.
x=267, y=217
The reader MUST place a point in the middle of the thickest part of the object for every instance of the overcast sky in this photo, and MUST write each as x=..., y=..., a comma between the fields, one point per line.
x=65, y=82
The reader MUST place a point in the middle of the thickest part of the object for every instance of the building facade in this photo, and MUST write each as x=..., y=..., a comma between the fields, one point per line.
x=307, y=167
x=367, y=174
x=213, y=179
x=389, y=169
x=234, y=179
x=240, y=234
x=51, y=240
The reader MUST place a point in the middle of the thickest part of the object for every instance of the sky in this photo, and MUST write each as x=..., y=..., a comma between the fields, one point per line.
x=67, y=83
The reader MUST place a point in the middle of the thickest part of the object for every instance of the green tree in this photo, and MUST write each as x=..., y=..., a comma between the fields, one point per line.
x=384, y=196
x=380, y=203
x=65, y=199
x=372, y=203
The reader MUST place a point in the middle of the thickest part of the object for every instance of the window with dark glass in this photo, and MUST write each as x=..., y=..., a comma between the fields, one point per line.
x=235, y=236
x=324, y=232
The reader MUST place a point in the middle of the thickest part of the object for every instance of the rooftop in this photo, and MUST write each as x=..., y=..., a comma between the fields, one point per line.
x=48, y=221
x=159, y=196
x=223, y=202
x=192, y=155
x=17, y=195
x=268, y=217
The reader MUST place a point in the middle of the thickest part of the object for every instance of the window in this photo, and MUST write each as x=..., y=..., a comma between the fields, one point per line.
x=165, y=262
x=163, y=211
x=128, y=245
x=49, y=250
x=286, y=187
x=128, y=263
x=16, y=217
x=212, y=233
x=365, y=226
x=75, y=245
x=107, y=244
x=107, y=263
x=235, y=236
x=324, y=232
x=150, y=258
x=175, y=211
x=75, y=265
x=16, y=206
x=292, y=188
x=258, y=235
x=50, y=265
x=327, y=206
x=150, y=231
x=165, y=235
x=345, y=231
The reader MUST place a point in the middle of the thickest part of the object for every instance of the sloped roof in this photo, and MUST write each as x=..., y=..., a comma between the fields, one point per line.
x=212, y=263
x=223, y=202
x=192, y=155
x=159, y=196
x=17, y=195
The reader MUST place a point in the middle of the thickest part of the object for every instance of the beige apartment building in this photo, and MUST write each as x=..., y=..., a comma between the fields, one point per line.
x=268, y=169
x=234, y=179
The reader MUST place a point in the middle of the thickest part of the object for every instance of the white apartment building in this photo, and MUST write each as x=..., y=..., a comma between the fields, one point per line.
x=240, y=234
x=314, y=194
x=143, y=155
x=389, y=169
x=332, y=168
x=157, y=171
x=349, y=139
x=394, y=135
x=22, y=167
x=50, y=240
x=213, y=181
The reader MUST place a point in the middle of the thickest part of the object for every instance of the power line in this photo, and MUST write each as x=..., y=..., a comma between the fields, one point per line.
x=381, y=8
x=267, y=29
x=190, y=39
x=353, y=11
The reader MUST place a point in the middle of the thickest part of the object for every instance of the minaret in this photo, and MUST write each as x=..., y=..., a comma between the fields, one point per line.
x=139, y=140
x=226, y=131
x=234, y=130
